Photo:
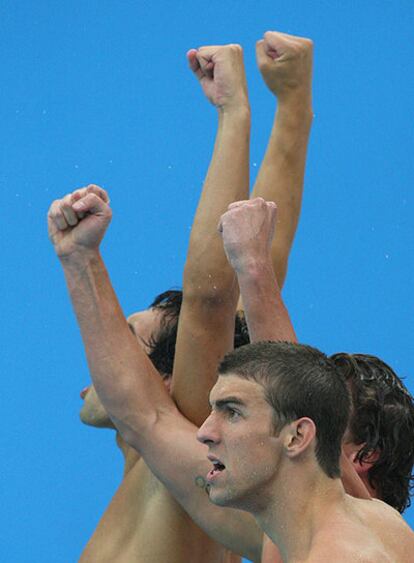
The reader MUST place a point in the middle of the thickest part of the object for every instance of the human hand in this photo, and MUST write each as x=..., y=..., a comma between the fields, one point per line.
x=285, y=62
x=220, y=71
x=77, y=222
x=247, y=229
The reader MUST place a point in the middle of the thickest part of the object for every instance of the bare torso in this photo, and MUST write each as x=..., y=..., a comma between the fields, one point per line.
x=367, y=531
x=144, y=524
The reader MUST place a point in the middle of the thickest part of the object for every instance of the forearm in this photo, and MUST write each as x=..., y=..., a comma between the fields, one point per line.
x=266, y=315
x=281, y=175
x=207, y=274
x=210, y=291
x=124, y=378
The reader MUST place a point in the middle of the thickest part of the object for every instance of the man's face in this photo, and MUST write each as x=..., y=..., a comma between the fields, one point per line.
x=242, y=444
x=143, y=325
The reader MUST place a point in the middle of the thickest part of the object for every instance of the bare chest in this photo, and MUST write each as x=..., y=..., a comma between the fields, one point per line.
x=144, y=524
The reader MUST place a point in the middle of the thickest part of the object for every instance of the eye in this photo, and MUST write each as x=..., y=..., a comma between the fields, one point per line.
x=232, y=414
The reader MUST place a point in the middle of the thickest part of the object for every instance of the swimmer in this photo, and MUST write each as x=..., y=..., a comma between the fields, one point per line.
x=153, y=425
x=279, y=413
x=285, y=63
x=377, y=454
x=132, y=525
x=122, y=535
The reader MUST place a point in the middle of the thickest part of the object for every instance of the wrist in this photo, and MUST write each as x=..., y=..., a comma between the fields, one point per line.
x=235, y=112
x=80, y=259
x=297, y=103
x=253, y=267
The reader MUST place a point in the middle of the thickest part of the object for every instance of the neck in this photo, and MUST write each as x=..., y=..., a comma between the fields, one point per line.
x=297, y=507
x=131, y=456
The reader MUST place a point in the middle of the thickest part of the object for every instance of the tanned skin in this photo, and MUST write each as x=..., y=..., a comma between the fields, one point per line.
x=140, y=406
x=247, y=229
x=285, y=63
x=210, y=293
x=142, y=510
x=214, y=284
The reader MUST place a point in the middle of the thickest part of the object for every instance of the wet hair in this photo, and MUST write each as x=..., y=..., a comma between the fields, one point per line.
x=162, y=342
x=298, y=381
x=382, y=422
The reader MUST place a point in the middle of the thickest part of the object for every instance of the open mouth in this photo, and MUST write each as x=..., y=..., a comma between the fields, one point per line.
x=218, y=468
x=84, y=392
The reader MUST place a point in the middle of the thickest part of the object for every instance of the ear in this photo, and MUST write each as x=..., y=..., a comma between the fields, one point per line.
x=361, y=467
x=299, y=435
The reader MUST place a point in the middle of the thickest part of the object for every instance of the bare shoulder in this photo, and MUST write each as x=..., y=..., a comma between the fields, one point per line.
x=394, y=530
x=382, y=514
x=390, y=537
x=368, y=531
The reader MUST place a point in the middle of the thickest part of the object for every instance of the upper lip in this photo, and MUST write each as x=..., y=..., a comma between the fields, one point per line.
x=214, y=459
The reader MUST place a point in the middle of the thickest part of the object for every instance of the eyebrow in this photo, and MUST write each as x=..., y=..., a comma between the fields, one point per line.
x=222, y=403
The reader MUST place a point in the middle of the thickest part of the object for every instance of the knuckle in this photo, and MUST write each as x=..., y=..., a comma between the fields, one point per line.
x=93, y=198
x=308, y=43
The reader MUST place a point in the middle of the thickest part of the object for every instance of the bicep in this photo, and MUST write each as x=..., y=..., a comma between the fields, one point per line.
x=179, y=461
x=205, y=335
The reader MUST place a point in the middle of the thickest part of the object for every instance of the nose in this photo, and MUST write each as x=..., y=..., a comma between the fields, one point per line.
x=208, y=431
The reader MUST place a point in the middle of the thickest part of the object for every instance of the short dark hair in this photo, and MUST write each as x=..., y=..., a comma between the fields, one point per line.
x=299, y=381
x=162, y=342
x=381, y=421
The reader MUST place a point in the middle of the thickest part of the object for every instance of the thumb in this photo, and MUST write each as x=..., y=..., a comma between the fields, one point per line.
x=274, y=46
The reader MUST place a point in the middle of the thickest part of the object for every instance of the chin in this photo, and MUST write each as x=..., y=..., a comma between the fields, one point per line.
x=94, y=419
x=219, y=497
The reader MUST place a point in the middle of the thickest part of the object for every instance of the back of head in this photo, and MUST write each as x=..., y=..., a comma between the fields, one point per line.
x=162, y=343
x=299, y=381
x=382, y=422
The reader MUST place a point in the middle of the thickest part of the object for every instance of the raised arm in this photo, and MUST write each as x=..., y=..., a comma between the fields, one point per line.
x=247, y=229
x=285, y=62
x=77, y=224
x=206, y=326
x=127, y=383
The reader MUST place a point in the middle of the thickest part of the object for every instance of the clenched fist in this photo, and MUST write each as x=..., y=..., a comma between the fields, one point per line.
x=77, y=222
x=220, y=71
x=285, y=62
x=247, y=229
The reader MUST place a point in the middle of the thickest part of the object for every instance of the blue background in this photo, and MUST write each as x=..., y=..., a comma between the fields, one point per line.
x=100, y=92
